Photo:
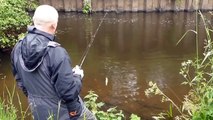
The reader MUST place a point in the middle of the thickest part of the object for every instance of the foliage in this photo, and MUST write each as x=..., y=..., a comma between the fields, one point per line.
x=198, y=75
x=134, y=117
x=110, y=114
x=13, y=20
x=155, y=90
x=87, y=7
x=8, y=111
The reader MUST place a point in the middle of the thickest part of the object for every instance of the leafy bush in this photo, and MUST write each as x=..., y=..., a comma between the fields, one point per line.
x=198, y=75
x=13, y=20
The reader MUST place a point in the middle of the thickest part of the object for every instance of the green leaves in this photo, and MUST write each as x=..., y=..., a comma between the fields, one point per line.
x=13, y=14
x=134, y=117
x=110, y=114
x=91, y=99
x=87, y=7
x=205, y=110
x=13, y=20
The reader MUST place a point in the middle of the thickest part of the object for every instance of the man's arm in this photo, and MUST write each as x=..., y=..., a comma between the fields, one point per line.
x=67, y=85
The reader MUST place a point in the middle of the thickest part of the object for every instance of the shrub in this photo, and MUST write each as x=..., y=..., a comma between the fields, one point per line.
x=13, y=20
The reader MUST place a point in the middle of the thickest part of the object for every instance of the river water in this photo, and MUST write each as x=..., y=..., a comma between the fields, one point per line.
x=130, y=49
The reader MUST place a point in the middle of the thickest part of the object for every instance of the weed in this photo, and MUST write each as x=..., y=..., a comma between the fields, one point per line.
x=87, y=7
x=109, y=114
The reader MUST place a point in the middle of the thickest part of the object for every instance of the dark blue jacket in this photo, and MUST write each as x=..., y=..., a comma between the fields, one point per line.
x=42, y=69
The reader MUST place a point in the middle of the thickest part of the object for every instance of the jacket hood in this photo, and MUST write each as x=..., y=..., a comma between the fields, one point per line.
x=34, y=47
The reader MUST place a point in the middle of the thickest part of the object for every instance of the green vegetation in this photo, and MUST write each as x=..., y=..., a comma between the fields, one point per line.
x=8, y=110
x=13, y=20
x=87, y=7
x=198, y=103
x=109, y=114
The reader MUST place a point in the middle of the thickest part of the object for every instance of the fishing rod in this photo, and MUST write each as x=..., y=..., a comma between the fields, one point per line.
x=91, y=42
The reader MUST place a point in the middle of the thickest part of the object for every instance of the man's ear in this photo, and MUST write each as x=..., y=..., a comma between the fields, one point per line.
x=54, y=26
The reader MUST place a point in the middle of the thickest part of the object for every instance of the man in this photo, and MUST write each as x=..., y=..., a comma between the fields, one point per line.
x=42, y=69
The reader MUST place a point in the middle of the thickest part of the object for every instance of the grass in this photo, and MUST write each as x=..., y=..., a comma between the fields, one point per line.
x=11, y=107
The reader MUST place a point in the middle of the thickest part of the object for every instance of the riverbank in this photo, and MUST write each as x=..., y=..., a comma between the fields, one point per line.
x=131, y=5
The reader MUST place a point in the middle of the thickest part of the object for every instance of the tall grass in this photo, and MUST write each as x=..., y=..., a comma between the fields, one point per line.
x=9, y=110
x=198, y=75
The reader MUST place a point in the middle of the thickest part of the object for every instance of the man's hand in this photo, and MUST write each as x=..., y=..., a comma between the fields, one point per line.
x=78, y=71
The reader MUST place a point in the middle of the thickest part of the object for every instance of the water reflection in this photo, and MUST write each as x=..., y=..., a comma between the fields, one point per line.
x=123, y=78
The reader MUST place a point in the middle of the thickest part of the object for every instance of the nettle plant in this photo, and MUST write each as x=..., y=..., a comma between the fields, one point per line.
x=110, y=114
x=198, y=75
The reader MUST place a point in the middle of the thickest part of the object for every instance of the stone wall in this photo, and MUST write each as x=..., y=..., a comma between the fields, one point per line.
x=132, y=5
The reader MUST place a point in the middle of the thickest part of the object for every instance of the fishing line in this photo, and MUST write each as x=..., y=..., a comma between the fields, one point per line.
x=91, y=42
x=173, y=93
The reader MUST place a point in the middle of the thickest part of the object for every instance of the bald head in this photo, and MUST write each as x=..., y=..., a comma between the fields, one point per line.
x=46, y=18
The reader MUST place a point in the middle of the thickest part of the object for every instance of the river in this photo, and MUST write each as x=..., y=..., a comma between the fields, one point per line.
x=130, y=49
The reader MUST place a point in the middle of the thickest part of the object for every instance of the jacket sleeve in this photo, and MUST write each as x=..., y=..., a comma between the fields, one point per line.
x=66, y=84
x=14, y=58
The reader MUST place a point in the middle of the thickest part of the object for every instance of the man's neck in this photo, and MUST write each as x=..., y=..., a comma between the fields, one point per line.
x=46, y=29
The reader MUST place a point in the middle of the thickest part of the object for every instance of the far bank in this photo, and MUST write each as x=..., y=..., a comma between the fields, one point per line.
x=131, y=5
